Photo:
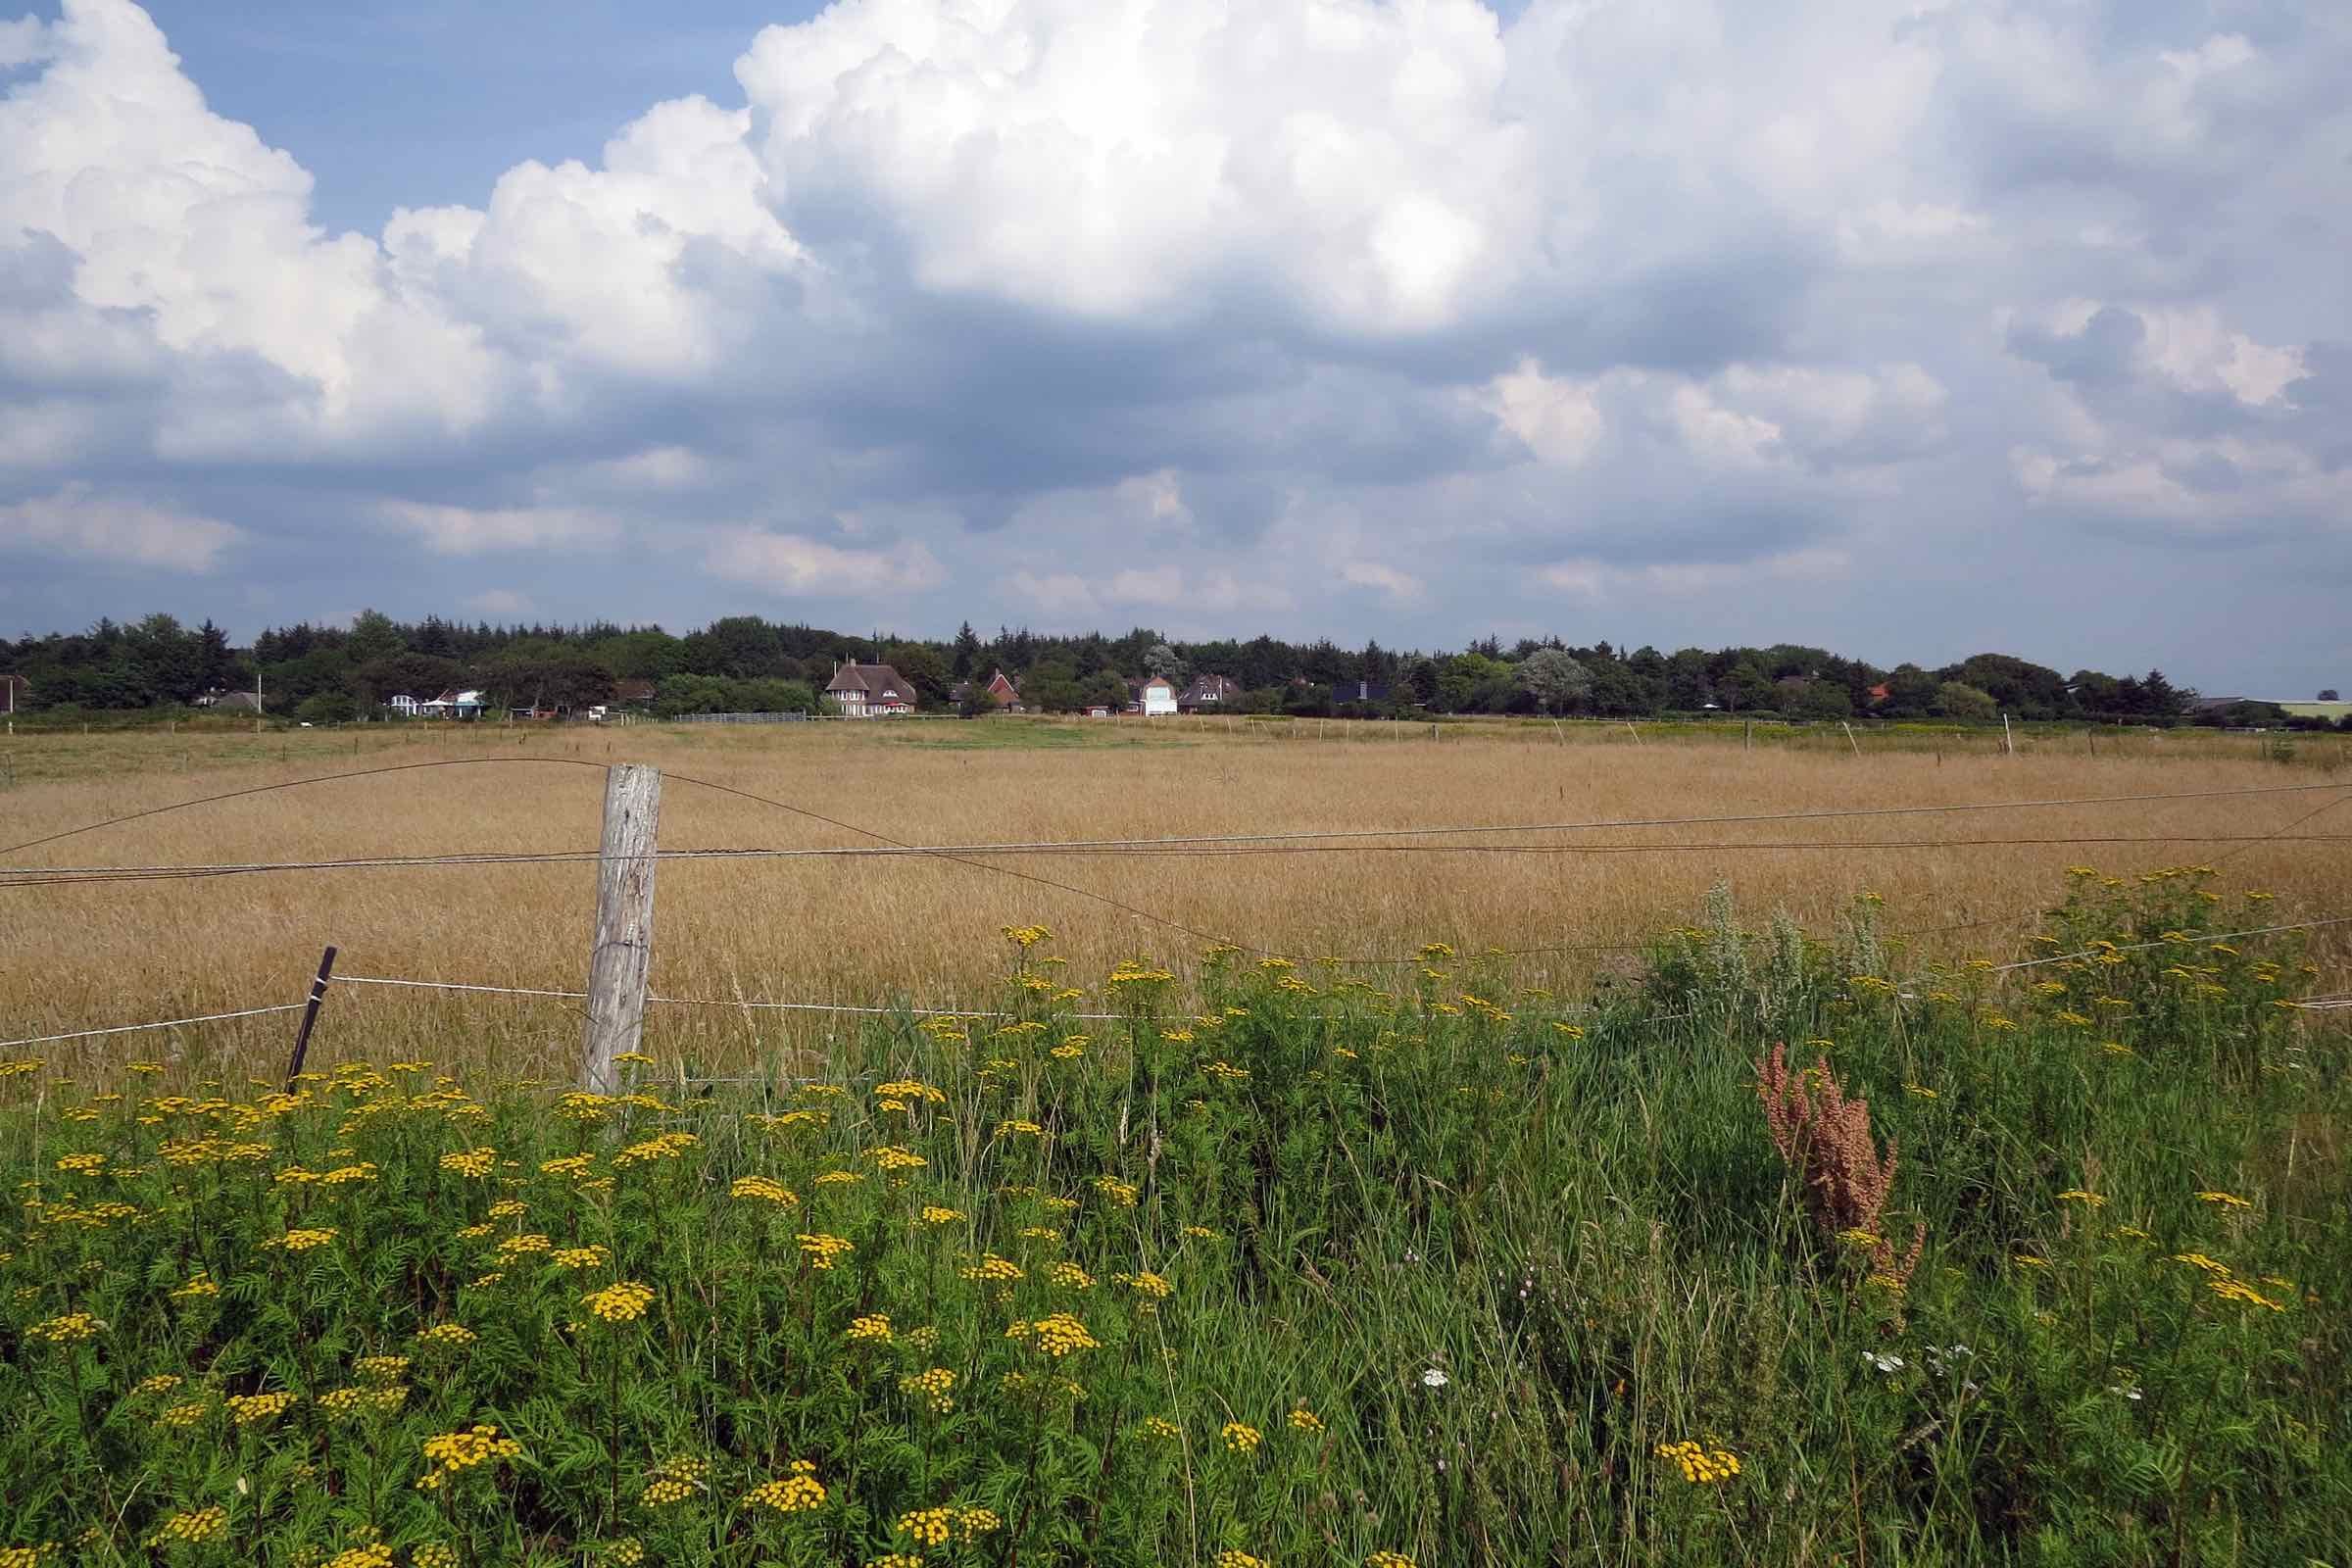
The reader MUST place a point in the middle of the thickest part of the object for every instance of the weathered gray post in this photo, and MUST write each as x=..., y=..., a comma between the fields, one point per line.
x=624, y=953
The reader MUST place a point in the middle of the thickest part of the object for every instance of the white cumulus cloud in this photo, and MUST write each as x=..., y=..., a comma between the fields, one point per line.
x=93, y=524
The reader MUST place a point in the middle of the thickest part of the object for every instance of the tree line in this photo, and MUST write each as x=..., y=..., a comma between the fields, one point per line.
x=742, y=663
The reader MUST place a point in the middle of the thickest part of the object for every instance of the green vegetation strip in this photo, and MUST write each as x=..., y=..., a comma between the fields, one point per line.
x=1770, y=1259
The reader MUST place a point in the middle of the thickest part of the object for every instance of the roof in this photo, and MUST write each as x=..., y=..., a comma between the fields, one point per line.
x=635, y=689
x=1212, y=689
x=877, y=682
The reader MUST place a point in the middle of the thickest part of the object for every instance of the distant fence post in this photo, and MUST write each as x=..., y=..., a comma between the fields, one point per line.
x=624, y=953
x=310, y=1017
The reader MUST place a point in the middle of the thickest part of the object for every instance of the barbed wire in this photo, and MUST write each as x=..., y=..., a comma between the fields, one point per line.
x=133, y=1028
x=92, y=875
x=2205, y=940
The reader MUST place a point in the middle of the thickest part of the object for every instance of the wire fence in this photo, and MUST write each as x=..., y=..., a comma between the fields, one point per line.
x=2314, y=1004
x=987, y=857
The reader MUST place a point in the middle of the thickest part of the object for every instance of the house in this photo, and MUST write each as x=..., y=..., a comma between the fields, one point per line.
x=1210, y=694
x=870, y=691
x=999, y=691
x=1881, y=691
x=634, y=692
x=234, y=702
x=403, y=704
x=1359, y=691
x=452, y=705
x=1154, y=696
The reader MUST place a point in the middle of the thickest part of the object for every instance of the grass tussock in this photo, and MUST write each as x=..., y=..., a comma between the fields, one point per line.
x=1296, y=1269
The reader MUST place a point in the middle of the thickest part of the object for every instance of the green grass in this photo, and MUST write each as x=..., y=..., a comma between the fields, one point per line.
x=1498, y=1252
x=1008, y=734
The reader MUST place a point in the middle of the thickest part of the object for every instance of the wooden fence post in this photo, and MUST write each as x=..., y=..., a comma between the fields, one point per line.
x=310, y=1017
x=618, y=963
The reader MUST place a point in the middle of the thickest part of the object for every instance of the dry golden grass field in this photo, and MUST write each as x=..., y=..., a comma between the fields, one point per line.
x=926, y=932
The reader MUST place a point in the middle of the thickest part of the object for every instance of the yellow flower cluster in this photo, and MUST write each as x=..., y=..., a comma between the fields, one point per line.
x=1070, y=1277
x=622, y=1303
x=794, y=1494
x=341, y=1404
x=161, y=1382
x=72, y=1329
x=447, y=1334
x=911, y=1089
x=2223, y=1199
x=765, y=1190
x=515, y=1246
x=2231, y=1290
x=203, y=1525
x=1056, y=1336
x=1147, y=1284
x=375, y=1554
x=456, y=1452
x=874, y=1326
x=1700, y=1465
x=1159, y=1426
x=1026, y=937
x=382, y=1368
x=1019, y=1129
x=823, y=1250
x=81, y=1164
x=184, y=1415
x=252, y=1409
x=1240, y=1438
x=568, y=1165
x=932, y=1389
x=1304, y=1420
x=471, y=1164
x=434, y=1554
x=580, y=1257
x=674, y=1480
x=670, y=1146
x=628, y=1551
x=1123, y=1194
x=1233, y=1558
x=1389, y=1560
x=890, y=1156
x=302, y=1240
x=996, y=1270
x=2075, y=1195
x=933, y=1215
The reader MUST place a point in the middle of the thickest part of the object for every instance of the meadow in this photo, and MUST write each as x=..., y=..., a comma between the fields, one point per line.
x=881, y=932
x=1777, y=1236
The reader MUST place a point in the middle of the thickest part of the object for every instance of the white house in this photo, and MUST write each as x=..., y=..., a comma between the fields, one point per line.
x=452, y=705
x=403, y=704
x=1155, y=696
x=870, y=691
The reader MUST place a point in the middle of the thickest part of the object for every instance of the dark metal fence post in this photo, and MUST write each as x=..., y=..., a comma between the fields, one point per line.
x=310, y=1016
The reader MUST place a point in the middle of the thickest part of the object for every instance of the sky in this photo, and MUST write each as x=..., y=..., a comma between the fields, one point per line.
x=1912, y=328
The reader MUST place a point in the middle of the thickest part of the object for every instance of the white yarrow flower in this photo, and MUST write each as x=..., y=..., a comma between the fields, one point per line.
x=1885, y=1363
x=1432, y=1378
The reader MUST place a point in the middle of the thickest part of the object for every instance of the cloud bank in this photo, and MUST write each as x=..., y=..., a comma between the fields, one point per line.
x=1910, y=327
